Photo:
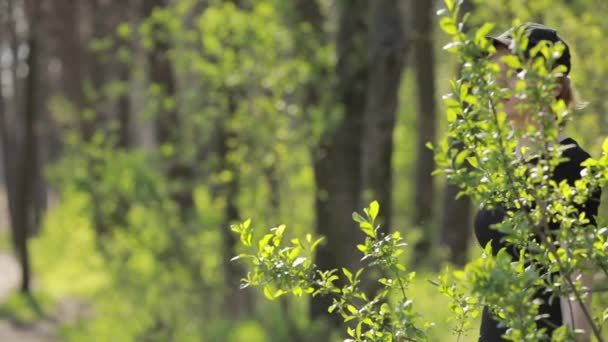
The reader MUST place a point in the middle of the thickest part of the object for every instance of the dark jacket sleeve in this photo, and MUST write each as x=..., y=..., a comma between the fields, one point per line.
x=571, y=171
x=484, y=219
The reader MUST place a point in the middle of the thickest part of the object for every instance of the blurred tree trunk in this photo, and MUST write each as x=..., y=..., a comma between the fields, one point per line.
x=456, y=225
x=40, y=189
x=25, y=159
x=106, y=67
x=14, y=117
x=70, y=47
x=19, y=137
x=387, y=52
x=51, y=85
x=337, y=160
x=168, y=121
x=9, y=125
x=386, y=60
x=124, y=108
x=239, y=303
x=14, y=43
x=306, y=21
x=424, y=60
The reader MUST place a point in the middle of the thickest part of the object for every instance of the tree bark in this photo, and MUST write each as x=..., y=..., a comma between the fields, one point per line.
x=424, y=59
x=337, y=160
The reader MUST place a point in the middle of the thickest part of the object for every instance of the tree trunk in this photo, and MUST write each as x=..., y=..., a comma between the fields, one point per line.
x=456, y=222
x=124, y=109
x=106, y=66
x=239, y=303
x=168, y=121
x=387, y=51
x=70, y=48
x=337, y=161
x=27, y=161
x=456, y=225
x=14, y=43
x=424, y=59
x=9, y=126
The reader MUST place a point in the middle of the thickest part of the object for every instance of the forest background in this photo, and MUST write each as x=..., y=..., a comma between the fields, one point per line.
x=135, y=133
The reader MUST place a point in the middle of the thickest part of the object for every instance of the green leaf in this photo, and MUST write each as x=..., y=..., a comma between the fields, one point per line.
x=512, y=61
x=264, y=241
x=483, y=31
x=448, y=26
x=316, y=243
x=279, y=230
x=374, y=209
x=473, y=161
x=357, y=218
x=368, y=229
x=605, y=146
x=268, y=293
x=452, y=115
x=460, y=157
x=353, y=310
x=362, y=248
x=449, y=4
x=348, y=274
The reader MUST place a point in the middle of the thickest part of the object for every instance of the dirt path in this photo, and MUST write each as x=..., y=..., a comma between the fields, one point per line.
x=9, y=281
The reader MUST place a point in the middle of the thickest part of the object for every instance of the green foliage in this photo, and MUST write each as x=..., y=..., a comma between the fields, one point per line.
x=117, y=241
x=479, y=135
x=286, y=268
x=478, y=155
x=117, y=238
x=24, y=309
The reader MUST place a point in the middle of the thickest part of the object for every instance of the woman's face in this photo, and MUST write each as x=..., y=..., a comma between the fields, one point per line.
x=507, y=78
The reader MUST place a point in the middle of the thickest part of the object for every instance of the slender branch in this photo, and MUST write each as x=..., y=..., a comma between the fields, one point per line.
x=401, y=285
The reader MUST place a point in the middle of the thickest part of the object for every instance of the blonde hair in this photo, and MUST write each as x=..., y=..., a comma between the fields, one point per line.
x=569, y=94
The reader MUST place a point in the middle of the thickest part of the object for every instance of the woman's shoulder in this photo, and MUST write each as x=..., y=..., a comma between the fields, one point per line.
x=572, y=150
x=575, y=155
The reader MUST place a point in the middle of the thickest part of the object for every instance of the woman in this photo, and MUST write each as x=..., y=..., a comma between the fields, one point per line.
x=558, y=314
